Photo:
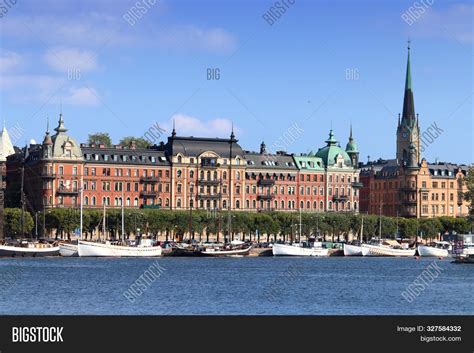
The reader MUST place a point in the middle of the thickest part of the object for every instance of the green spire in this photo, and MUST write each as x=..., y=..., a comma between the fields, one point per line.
x=408, y=78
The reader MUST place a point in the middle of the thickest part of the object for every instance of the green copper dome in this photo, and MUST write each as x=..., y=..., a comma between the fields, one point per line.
x=331, y=152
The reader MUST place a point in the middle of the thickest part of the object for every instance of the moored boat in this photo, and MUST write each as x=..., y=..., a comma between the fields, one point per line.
x=299, y=249
x=387, y=248
x=117, y=249
x=28, y=249
x=227, y=250
x=352, y=250
x=436, y=249
x=68, y=249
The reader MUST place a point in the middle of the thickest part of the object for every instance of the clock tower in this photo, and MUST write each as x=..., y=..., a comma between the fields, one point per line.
x=408, y=130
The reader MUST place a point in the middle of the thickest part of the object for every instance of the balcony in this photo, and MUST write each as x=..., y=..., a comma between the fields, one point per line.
x=209, y=196
x=409, y=202
x=209, y=166
x=357, y=185
x=148, y=193
x=149, y=179
x=268, y=196
x=209, y=182
x=266, y=182
x=47, y=175
x=67, y=191
x=340, y=198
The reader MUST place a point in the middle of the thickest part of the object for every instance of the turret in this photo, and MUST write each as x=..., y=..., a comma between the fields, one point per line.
x=352, y=150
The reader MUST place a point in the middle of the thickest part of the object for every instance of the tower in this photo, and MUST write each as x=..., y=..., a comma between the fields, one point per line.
x=408, y=129
x=352, y=150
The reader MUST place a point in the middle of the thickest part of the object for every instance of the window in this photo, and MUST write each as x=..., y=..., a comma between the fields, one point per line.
x=61, y=170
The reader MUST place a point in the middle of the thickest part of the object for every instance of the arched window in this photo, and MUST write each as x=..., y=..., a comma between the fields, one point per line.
x=86, y=200
x=224, y=175
x=224, y=204
x=237, y=175
x=321, y=205
x=160, y=202
x=254, y=204
x=180, y=159
x=93, y=200
x=315, y=205
x=330, y=205
x=128, y=201
x=355, y=206
x=135, y=202
x=349, y=205
x=167, y=202
x=191, y=174
x=179, y=173
x=275, y=204
x=282, y=204
x=247, y=204
x=215, y=175
x=178, y=203
x=308, y=205
x=202, y=174
x=301, y=204
x=208, y=175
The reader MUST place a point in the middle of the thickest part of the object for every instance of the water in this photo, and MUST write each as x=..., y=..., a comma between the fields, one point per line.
x=264, y=285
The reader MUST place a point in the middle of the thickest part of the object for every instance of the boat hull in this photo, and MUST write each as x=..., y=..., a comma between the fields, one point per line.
x=290, y=250
x=352, y=250
x=376, y=250
x=14, y=251
x=68, y=250
x=428, y=251
x=230, y=253
x=91, y=249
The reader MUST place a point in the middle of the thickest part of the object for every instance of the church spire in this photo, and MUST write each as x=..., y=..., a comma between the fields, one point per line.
x=408, y=113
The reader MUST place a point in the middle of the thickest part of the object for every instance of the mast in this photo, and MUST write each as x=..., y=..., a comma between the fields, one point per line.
x=22, y=196
x=299, y=233
x=123, y=225
x=103, y=224
x=229, y=206
x=81, y=208
x=380, y=222
x=362, y=230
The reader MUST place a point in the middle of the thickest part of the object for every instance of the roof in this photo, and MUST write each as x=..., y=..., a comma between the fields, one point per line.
x=331, y=152
x=115, y=155
x=307, y=162
x=270, y=161
x=194, y=146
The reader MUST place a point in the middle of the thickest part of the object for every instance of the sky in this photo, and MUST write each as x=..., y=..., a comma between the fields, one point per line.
x=209, y=64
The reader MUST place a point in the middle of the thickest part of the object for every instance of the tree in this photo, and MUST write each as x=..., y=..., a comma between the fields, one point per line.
x=140, y=142
x=469, y=194
x=100, y=138
x=12, y=222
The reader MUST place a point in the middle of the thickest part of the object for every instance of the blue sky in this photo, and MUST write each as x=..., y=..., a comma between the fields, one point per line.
x=121, y=78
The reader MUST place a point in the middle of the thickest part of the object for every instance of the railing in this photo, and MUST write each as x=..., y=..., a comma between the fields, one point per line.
x=266, y=182
x=357, y=185
x=147, y=193
x=149, y=179
x=209, y=182
x=209, y=196
x=48, y=175
x=340, y=198
x=268, y=196
x=65, y=191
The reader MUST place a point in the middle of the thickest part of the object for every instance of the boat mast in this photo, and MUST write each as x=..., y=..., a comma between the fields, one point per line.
x=229, y=206
x=362, y=230
x=123, y=225
x=81, y=208
x=22, y=196
x=380, y=222
x=103, y=224
x=299, y=233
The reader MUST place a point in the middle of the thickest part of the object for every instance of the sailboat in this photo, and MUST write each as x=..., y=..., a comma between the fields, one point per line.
x=300, y=248
x=144, y=248
x=71, y=249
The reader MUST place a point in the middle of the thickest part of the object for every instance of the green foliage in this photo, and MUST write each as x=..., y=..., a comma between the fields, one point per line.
x=469, y=194
x=140, y=142
x=12, y=222
x=100, y=138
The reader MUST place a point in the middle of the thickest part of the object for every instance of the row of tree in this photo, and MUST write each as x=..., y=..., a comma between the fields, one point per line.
x=105, y=139
x=200, y=224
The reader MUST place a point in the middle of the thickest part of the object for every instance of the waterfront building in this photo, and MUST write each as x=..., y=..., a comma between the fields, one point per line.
x=183, y=173
x=6, y=149
x=407, y=186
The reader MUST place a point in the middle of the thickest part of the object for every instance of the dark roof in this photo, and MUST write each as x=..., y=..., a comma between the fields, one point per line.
x=443, y=169
x=142, y=156
x=194, y=146
x=270, y=161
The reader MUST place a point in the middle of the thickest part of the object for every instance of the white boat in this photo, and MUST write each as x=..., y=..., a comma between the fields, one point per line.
x=386, y=248
x=437, y=249
x=29, y=249
x=115, y=249
x=352, y=250
x=298, y=249
x=68, y=249
x=229, y=251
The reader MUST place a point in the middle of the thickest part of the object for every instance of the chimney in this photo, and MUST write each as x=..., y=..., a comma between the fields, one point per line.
x=132, y=145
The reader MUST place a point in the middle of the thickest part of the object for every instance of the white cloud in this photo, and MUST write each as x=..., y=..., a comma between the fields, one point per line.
x=82, y=96
x=64, y=59
x=454, y=22
x=194, y=38
x=187, y=125
x=9, y=61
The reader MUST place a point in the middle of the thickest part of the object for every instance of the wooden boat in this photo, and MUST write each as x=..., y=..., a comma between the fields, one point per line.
x=29, y=249
x=227, y=250
x=436, y=249
x=386, y=248
x=117, y=249
x=68, y=249
x=299, y=249
x=352, y=250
